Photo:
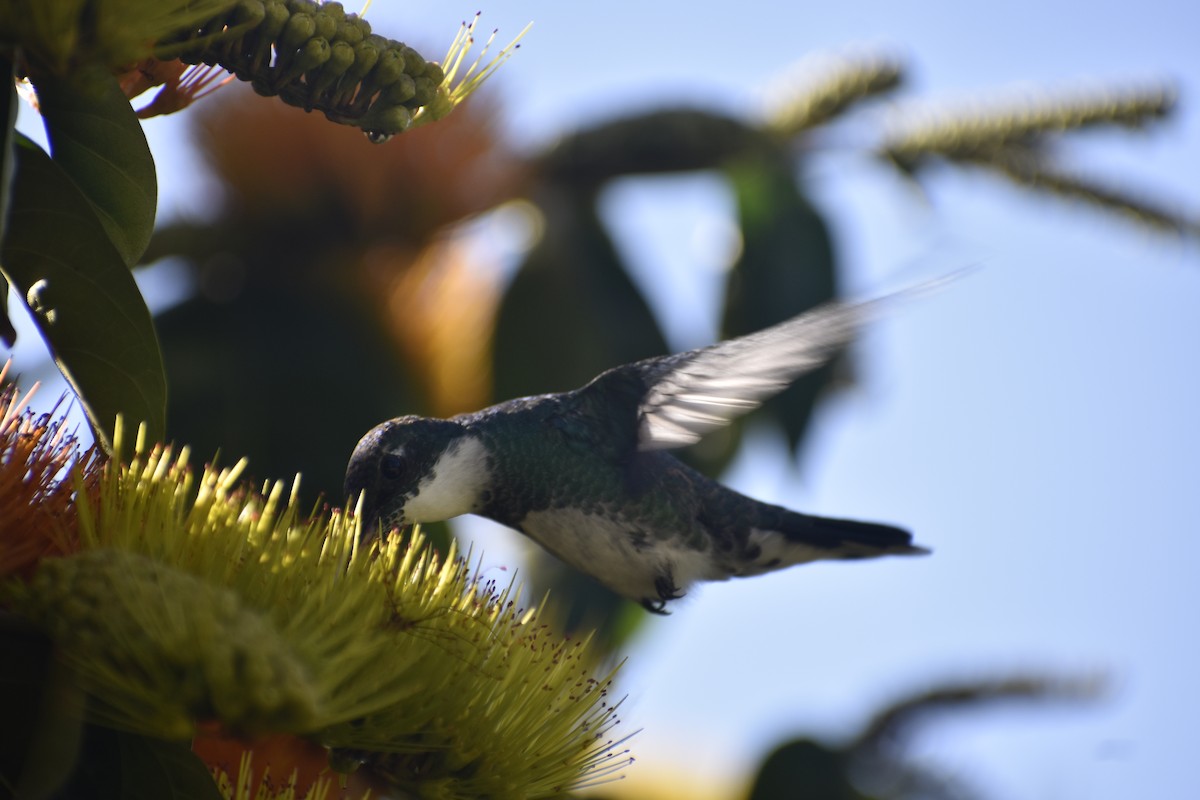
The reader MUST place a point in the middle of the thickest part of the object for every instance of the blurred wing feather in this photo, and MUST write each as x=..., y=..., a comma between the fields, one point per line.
x=702, y=390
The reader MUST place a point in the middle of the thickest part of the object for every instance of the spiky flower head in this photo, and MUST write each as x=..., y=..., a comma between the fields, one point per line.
x=37, y=511
x=455, y=89
x=191, y=599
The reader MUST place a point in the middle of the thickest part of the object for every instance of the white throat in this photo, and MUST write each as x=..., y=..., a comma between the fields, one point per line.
x=454, y=485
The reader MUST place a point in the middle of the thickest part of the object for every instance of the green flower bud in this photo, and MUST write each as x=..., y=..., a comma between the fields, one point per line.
x=247, y=14
x=435, y=74
x=366, y=55
x=399, y=92
x=351, y=30
x=414, y=64
x=385, y=123
x=313, y=54
x=341, y=56
x=388, y=69
x=335, y=9
x=425, y=92
x=236, y=47
x=261, y=40
x=326, y=23
x=299, y=29
x=303, y=6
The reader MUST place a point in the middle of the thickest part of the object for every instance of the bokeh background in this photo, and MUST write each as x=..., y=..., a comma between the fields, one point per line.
x=1034, y=422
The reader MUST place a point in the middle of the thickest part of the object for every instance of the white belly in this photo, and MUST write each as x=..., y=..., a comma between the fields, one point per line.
x=604, y=548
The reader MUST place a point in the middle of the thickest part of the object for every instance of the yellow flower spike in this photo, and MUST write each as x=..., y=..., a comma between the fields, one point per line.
x=820, y=88
x=972, y=131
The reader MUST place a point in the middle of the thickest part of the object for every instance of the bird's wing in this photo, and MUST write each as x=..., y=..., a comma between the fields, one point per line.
x=689, y=394
x=701, y=390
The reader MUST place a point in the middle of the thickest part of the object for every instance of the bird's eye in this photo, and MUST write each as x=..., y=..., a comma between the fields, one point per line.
x=391, y=466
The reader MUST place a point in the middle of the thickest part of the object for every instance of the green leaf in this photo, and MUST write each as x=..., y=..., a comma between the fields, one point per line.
x=82, y=298
x=127, y=766
x=96, y=138
x=786, y=267
x=572, y=310
x=8, y=120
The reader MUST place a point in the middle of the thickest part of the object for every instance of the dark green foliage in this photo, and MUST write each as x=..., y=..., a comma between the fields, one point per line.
x=572, y=311
x=82, y=296
x=116, y=765
x=41, y=724
x=76, y=222
x=804, y=770
x=786, y=268
x=281, y=371
x=667, y=140
x=96, y=138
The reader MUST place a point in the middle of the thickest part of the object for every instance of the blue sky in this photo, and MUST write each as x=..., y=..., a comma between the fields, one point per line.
x=1035, y=423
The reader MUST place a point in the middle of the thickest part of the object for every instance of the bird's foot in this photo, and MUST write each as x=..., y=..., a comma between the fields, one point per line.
x=667, y=590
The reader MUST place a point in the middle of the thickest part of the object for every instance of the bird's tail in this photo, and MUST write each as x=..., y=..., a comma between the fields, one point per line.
x=782, y=538
x=849, y=538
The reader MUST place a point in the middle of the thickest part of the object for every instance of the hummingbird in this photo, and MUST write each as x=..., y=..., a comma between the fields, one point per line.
x=588, y=474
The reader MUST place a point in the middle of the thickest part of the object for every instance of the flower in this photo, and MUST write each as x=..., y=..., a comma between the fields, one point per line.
x=186, y=601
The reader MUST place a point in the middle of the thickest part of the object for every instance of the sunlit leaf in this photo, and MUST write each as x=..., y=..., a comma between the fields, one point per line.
x=82, y=297
x=96, y=138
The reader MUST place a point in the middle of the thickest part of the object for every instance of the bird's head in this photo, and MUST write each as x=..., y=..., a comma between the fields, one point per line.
x=415, y=469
